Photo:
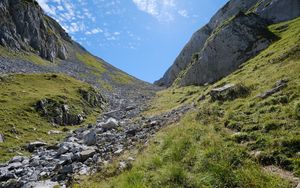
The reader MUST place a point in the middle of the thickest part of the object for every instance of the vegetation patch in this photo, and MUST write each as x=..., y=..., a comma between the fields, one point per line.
x=31, y=57
x=122, y=78
x=21, y=123
x=92, y=62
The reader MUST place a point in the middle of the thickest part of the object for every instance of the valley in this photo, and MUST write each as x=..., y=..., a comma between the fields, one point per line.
x=225, y=114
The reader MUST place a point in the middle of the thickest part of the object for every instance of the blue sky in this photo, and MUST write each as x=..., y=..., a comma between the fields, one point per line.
x=140, y=37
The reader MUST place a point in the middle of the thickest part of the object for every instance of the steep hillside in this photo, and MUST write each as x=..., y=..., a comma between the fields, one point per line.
x=273, y=11
x=32, y=42
x=21, y=119
x=245, y=136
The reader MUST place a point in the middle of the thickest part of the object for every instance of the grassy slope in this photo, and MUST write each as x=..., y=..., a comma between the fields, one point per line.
x=19, y=121
x=96, y=67
x=23, y=56
x=204, y=149
x=100, y=68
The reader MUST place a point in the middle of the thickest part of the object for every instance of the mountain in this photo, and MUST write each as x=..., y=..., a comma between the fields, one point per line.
x=230, y=119
x=195, y=64
x=33, y=42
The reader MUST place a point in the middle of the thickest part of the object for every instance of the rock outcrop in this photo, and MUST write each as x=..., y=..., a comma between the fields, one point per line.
x=229, y=92
x=194, y=45
x=273, y=11
x=24, y=27
x=227, y=48
x=93, y=97
x=60, y=113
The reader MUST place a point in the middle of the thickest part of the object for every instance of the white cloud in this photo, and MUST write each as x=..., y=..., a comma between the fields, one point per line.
x=83, y=19
x=183, y=13
x=160, y=9
x=94, y=31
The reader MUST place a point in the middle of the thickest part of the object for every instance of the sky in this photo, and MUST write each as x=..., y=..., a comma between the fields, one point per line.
x=140, y=37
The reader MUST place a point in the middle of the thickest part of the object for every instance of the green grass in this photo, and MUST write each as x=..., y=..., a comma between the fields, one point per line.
x=91, y=61
x=24, y=56
x=214, y=146
x=190, y=154
x=20, y=123
x=167, y=100
x=122, y=78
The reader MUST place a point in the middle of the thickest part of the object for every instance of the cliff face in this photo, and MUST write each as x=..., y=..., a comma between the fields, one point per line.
x=234, y=43
x=24, y=27
x=273, y=11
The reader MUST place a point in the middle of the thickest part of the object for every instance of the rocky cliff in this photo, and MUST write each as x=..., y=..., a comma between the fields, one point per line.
x=227, y=48
x=273, y=11
x=24, y=27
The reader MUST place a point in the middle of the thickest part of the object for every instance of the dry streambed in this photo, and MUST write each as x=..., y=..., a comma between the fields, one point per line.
x=85, y=148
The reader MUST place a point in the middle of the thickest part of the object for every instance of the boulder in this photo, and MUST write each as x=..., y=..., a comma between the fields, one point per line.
x=14, y=165
x=110, y=124
x=67, y=157
x=34, y=145
x=84, y=155
x=278, y=87
x=229, y=92
x=54, y=132
x=17, y=159
x=90, y=138
x=62, y=150
x=67, y=169
x=214, y=93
